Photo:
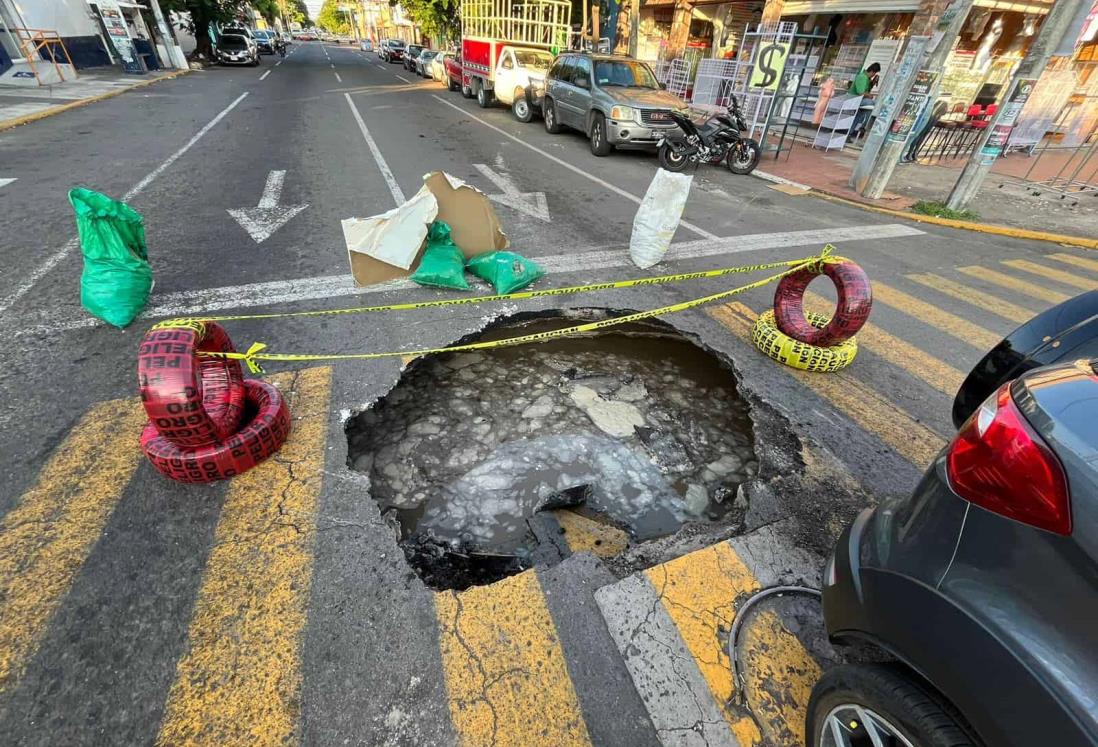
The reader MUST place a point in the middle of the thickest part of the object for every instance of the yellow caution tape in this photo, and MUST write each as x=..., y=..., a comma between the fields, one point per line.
x=254, y=353
x=792, y=352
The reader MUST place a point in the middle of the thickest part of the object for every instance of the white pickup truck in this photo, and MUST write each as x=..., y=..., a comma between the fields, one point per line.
x=520, y=79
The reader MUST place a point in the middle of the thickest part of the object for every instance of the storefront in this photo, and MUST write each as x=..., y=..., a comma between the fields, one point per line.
x=708, y=28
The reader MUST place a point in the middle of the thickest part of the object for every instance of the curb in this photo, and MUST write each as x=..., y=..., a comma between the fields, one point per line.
x=28, y=118
x=990, y=228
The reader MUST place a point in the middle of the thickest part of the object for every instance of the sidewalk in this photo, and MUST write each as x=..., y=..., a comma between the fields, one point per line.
x=21, y=104
x=1003, y=200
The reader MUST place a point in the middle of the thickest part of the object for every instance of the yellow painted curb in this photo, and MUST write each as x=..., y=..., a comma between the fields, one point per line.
x=1017, y=233
x=26, y=119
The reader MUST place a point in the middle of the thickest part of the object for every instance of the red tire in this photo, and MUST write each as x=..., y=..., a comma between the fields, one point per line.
x=191, y=400
x=266, y=428
x=855, y=302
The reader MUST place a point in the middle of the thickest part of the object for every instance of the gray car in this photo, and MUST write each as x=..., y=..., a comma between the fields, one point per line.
x=614, y=100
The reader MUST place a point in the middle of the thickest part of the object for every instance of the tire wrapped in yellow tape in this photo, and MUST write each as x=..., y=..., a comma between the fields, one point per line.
x=784, y=349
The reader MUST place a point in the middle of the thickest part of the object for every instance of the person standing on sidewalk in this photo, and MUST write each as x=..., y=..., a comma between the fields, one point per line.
x=863, y=85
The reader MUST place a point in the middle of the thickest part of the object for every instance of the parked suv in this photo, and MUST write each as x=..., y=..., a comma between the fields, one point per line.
x=411, y=54
x=391, y=50
x=614, y=100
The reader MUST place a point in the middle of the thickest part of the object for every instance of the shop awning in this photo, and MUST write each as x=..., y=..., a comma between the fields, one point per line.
x=804, y=7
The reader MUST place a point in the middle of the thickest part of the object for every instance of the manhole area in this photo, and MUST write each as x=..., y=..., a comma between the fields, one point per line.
x=488, y=462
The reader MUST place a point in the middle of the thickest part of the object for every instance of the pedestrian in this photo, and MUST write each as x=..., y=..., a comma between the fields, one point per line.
x=862, y=85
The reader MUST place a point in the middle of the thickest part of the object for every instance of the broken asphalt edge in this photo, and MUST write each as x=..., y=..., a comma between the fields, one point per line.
x=990, y=228
x=8, y=124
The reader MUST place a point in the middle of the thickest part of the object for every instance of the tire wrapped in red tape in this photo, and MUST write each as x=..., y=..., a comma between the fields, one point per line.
x=266, y=427
x=854, y=303
x=191, y=400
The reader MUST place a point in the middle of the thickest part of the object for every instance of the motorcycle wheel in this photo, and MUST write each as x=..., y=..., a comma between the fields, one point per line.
x=671, y=159
x=743, y=156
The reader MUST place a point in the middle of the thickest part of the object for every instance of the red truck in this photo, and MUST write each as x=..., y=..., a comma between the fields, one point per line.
x=506, y=46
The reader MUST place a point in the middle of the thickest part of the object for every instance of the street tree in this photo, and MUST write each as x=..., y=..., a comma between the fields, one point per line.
x=437, y=18
x=206, y=13
x=332, y=19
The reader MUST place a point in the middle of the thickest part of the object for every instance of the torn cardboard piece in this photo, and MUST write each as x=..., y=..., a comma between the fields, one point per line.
x=389, y=246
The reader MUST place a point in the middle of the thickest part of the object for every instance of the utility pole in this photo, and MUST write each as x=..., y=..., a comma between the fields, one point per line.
x=1063, y=20
x=918, y=92
x=634, y=28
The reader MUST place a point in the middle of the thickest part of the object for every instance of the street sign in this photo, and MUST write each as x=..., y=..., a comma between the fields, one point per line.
x=769, y=64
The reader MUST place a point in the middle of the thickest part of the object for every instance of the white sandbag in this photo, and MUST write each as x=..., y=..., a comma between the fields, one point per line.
x=658, y=217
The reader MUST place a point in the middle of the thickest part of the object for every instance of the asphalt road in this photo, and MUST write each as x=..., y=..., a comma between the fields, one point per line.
x=123, y=594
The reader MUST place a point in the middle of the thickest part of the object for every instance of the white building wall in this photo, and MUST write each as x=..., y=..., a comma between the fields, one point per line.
x=66, y=17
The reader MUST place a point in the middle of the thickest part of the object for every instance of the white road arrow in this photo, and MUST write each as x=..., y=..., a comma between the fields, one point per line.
x=267, y=217
x=6, y=181
x=530, y=203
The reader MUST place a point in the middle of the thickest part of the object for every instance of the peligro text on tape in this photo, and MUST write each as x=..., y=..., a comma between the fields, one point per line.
x=255, y=353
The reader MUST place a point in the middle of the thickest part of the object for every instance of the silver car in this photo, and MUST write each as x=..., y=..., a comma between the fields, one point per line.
x=615, y=101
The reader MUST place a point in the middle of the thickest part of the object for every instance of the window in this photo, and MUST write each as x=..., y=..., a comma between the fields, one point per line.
x=582, y=70
x=535, y=60
x=507, y=63
x=562, y=70
x=624, y=73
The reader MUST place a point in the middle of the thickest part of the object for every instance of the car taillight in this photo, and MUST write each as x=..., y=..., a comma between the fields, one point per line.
x=998, y=462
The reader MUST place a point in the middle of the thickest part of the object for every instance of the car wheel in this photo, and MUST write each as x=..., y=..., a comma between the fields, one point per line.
x=549, y=114
x=855, y=704
x=484, y=96
x=451, y=84
x=521, y=108
x=466, y=91
x=600, y=146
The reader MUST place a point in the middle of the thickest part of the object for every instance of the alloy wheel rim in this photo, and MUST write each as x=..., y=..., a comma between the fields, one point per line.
x=851, y=725
x=745, y=155
x=596, y=134
x=521, y=108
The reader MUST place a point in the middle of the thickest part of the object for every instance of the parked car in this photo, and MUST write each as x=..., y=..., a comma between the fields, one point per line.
x=423, y=62
x=236, y=49
x=411, y=54
x=520, y=79
x=982, y=586
x=392, y=50
x=287, y=37
x=615, y=101
x=366, y=45
x=265, y=40
x=438, y=66
x=454, y=71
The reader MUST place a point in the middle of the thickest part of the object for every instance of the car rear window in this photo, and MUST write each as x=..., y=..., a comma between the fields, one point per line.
x=233, y=43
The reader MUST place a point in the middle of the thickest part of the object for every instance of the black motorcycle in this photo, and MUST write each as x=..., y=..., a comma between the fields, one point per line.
x=715, y=140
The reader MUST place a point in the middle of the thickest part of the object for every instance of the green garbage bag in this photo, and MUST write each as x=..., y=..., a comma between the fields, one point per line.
x=117, y=277
x=506, y=271
x=443, y=264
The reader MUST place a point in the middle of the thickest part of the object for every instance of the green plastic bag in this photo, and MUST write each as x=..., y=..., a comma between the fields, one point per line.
x=117, y=277
x=443, y=264
x=506, y=271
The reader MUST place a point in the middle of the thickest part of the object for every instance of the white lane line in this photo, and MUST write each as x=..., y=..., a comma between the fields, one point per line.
x=209, y=300
x=403, y=78
x=42, y=270
x=575, y=169
x=264, y=76
x=278, y=63
x=394, y=188
x=338, y=78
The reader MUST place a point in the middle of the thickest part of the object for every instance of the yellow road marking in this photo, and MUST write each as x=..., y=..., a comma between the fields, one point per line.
x=941, y=376
x=1071, y=259
x=506, y=676
x=1067, y=278
x=1025, y=287
x=47, y=536
x=239, y=682
x=978, y=298
x=951, y=324
x=780, y=677
x=586, y=535
x=864, y=406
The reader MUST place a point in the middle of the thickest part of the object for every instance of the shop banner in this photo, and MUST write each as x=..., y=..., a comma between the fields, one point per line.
x=912, y=106
x=115, y=23
x=1008, y=116
x=769, y=64
x=1046, y=103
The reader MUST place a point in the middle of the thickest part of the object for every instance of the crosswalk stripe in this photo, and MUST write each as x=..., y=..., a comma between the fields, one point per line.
x=978, y=298
x=506, y=675
x=1059, y=276
x=46, y=537
x=951, y=324
x=941, y=376
x=1071, y=259
x=698, y=591
x=864, y=406
x=239, y=682
x=1025, y=287
x=587, y=535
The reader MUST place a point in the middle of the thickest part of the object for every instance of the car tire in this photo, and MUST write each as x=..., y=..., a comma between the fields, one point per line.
x=549, y=114
x=466, y=91
x=484, y=96
x=672, y=160
x=451, y=84
x=855, y=301
x=600, y=146
x=890, y=695
x=521, y=108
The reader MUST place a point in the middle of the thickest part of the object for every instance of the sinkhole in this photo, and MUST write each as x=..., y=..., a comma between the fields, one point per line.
x=486, y=463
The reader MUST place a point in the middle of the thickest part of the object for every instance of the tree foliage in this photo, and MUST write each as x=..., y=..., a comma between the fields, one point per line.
x=204, y=13
x=334, y=20
x=436, y=18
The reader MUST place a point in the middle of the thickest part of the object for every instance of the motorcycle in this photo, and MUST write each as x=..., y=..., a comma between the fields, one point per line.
x=280, y=46
x=715, y=140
